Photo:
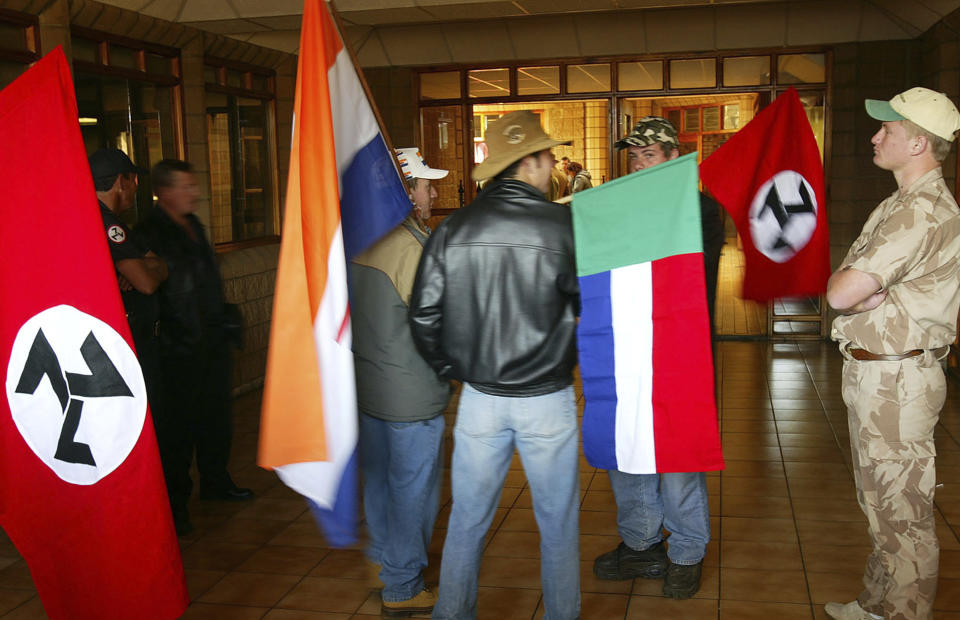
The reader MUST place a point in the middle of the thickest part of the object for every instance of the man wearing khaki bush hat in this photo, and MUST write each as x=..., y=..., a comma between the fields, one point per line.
x=898, y=292
x=494, y=306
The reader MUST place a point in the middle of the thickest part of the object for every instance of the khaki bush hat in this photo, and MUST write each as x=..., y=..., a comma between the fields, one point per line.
x=648, y=131
x=927, y=108
x=414, y=166
x=510, y=138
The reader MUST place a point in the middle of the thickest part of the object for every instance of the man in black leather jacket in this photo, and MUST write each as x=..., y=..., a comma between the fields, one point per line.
x=494, y=306
x=195, y=357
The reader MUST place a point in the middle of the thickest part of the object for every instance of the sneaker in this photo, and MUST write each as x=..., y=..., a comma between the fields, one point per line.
x=626, y=563
x=850, y=611
x=683, y=580
x=420, y=604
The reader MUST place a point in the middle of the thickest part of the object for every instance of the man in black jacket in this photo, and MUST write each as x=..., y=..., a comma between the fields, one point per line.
x=494, y=306
x=194, y=344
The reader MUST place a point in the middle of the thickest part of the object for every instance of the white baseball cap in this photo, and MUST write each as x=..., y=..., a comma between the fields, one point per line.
x=414, y=167
x=927, y=108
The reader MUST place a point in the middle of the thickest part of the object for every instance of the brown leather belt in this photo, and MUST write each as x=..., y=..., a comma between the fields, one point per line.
x=866, y=356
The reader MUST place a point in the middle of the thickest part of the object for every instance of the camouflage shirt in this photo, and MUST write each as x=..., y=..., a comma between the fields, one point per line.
x=911, y=245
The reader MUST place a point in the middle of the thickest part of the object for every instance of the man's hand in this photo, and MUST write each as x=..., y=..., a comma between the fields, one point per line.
x=123, y=282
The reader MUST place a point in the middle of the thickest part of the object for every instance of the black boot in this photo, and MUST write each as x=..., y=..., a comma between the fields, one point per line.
x=626, y=563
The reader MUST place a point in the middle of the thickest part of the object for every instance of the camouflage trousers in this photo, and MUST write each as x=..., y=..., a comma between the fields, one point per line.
x=892, y=410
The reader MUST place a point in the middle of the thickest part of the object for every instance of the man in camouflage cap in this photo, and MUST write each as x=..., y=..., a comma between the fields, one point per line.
x=646, y=503
x=898, y=293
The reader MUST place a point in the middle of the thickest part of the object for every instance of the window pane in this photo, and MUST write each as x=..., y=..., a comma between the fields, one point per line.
x=158, y=64
x=588, y=78
x=746, y=71
x=85, y=49
x=259, y=82
x=731, y=116
x=640, y=75
x=538, y=80
x=711, y=118
x=801, y=68
x=443, y=85
x=12, y=37
x=235, y=78
x=695, y=73
x=218, y=146
x=123, y=57
x=241, y=177
x=691, y=119
x=489, y=82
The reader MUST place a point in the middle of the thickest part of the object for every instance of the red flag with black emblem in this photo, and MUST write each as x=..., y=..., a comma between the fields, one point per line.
x=82, y=494
x=769, y=178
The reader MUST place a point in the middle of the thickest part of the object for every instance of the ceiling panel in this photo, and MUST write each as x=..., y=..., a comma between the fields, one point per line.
x=229, y=26
x=764, y=22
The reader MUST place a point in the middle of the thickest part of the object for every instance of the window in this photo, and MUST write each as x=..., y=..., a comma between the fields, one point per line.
x=19, y=44
x=489, y=82
x=695, y=73
x=241, y=143
x=640, y=75
x=801, y=68
x=538, y=80
x=128, y=103
x=746, y=71
x=440, y=85
x=588, y=78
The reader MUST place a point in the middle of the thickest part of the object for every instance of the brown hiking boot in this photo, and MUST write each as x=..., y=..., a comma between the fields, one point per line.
x=420, y=604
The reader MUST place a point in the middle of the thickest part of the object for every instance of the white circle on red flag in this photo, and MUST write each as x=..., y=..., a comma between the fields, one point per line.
x=76, y=393
x=783, y=216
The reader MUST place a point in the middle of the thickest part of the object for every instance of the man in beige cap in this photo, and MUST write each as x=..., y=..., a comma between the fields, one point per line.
x=401, y=402
x=898, y=292
x=494, y=306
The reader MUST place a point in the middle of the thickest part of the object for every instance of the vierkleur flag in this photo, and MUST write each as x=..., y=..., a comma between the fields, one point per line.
x=644, y=334
x=82, y=494
x=769, y=177
x=343, y=194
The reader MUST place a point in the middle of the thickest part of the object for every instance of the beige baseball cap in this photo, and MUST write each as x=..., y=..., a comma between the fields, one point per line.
x=927, y=108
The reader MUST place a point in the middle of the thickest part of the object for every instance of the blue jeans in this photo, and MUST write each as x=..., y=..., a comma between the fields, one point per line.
x=401, y=466
x=646, y=503
x=544, y=431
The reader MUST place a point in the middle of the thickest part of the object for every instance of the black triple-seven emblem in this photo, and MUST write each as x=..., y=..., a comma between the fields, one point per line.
x=103, y=381
x=784, y=211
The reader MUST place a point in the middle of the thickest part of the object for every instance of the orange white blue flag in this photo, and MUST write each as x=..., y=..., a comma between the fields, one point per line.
x=343, y=193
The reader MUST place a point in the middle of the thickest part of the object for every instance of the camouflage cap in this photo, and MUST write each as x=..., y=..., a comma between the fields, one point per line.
x=650, y=130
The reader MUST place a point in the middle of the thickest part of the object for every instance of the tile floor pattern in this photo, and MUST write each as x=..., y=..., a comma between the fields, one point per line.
x=787, y=532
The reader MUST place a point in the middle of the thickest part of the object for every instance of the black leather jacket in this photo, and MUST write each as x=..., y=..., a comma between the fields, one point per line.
x=192, y=309
x=495, y=298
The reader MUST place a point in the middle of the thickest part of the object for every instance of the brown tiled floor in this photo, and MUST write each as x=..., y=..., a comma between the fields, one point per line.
x=787, y=533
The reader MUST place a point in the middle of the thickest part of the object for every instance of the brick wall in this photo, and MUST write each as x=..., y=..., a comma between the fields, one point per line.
x=249, y=276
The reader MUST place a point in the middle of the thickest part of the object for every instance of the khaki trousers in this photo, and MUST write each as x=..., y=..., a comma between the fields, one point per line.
x=893, y=408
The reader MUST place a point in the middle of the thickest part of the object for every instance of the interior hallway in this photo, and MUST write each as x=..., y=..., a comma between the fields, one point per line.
x=787, y=532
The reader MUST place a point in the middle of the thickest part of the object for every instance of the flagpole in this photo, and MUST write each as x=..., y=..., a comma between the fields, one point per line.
x=366, y=87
